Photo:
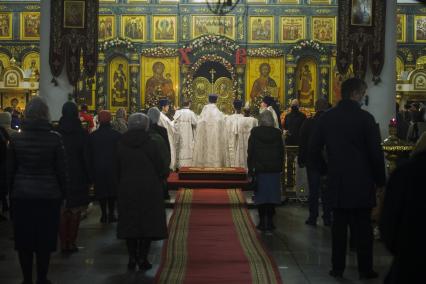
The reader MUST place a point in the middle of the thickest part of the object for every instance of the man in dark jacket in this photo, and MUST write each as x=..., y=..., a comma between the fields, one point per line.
x=400, y=229
x=314, y=176
x=292, y=124
x=102, y=146
x=355, y=169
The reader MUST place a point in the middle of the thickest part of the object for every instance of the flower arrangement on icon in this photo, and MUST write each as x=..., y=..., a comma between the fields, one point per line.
x=255, y=104
x=117, y=42
x=313, y=44
x=159, y=51
x=265, y=52
x=154, y=101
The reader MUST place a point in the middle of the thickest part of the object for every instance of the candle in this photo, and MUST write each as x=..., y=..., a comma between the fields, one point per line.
x=392, y=122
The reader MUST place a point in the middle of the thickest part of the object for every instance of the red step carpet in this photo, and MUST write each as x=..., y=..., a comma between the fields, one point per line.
x=213, y=240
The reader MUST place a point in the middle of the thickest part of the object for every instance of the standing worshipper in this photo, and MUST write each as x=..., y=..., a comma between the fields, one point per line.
x=209, y=150
x=269, y=103
x=4, y=144
x=75, y=139
x=165, y=122
x=185, y=122
x=314, y=176
x=102, y=145
x=355, y=166
x=292, y=124
x=38, y=180
x=265, y=162
x=120, y=124
x=6, y=122
x=139, y=171
x=232, y=134
x=159, y=135
x=85, y=116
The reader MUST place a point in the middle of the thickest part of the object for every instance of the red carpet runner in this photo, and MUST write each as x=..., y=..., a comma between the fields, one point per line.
x=213, y=240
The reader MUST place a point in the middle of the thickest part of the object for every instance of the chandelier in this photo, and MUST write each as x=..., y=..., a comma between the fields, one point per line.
x=222, y=7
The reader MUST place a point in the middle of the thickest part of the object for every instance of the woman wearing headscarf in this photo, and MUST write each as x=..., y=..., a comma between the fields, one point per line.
x=75, y=141
x=269, y=103
x=120, y=122
x=38, y=181
x=139, y=171
x=265, y=162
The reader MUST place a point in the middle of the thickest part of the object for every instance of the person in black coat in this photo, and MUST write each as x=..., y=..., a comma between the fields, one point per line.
x=102, y=146
x=314, y=176
x=4, y=142
x=399, y=227
x=265, y=162
x=75, y=140
x=38, y=180
x=292, y=124
x=140, y=170
x=355, y=165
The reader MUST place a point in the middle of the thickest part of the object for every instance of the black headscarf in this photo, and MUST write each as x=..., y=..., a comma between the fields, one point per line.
x=69, y=120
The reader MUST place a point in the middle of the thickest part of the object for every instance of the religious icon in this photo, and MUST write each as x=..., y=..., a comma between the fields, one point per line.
x=261, y=29
x=164, y=28
x=420, y=81
x=292, y=29
x=106, y=28
x=16, y=101
x=306, y=82
x=74, y=14
x=133, y=27
x=160, y=77
x=289, y=1
x=324, y=29
x=420, y=28
x=5, y=26
x=201, y=87
x=218, y=25
x=362, y=12
x=264, y=83
x=223, y=88
x=12, y=79
x=400, y=27
x=30, y=26
x=31, y=65
x=161, y=82
x=4, y=62
x=119, y=83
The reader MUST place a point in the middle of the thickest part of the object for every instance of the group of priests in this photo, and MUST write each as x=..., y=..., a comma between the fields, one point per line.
x=211, y=139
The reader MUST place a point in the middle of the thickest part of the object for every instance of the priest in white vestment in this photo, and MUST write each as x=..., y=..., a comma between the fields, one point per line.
x=232, y=134
x=244, y=127
x=185, y=122
x=171, y=132
x=268, y=103
x=209, y=149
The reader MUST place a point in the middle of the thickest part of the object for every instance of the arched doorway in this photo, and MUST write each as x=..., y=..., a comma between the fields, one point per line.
x=212, y=74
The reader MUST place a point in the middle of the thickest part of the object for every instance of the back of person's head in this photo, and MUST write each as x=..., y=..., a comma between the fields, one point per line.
x=5, y=119
x=294, y=105
x=104, y=117
x=139, y=121
x=84, y=107
x=321, y=104
x=266, y=119
x=37, y=109
x=154, y=115
x=213, y=98
x=70, y=110
x=8, y=109
x=353, y=87
x=246, y=112
x=120, y=113
x=186, y=103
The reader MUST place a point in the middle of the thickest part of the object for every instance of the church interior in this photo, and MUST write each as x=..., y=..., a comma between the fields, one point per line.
x=136, y=54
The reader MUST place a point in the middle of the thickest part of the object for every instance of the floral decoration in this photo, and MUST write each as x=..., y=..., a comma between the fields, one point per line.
x=203, y=43
x=313, y=44
x=265, y=52
x=116, y=42
x=159, y=51
x=187, y=90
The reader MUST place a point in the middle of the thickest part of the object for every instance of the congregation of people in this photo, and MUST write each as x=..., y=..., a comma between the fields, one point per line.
x=48, y=170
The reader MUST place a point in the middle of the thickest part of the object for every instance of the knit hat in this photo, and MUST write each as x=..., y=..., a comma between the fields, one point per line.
x=104, y=116
x=213, y=98
x=138, y=120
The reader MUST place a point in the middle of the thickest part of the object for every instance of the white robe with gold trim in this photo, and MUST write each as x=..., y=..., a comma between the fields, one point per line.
x=185, y=122
x=165, y=122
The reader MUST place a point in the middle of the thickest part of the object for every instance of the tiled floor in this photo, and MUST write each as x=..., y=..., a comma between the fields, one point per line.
x=302, y=254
